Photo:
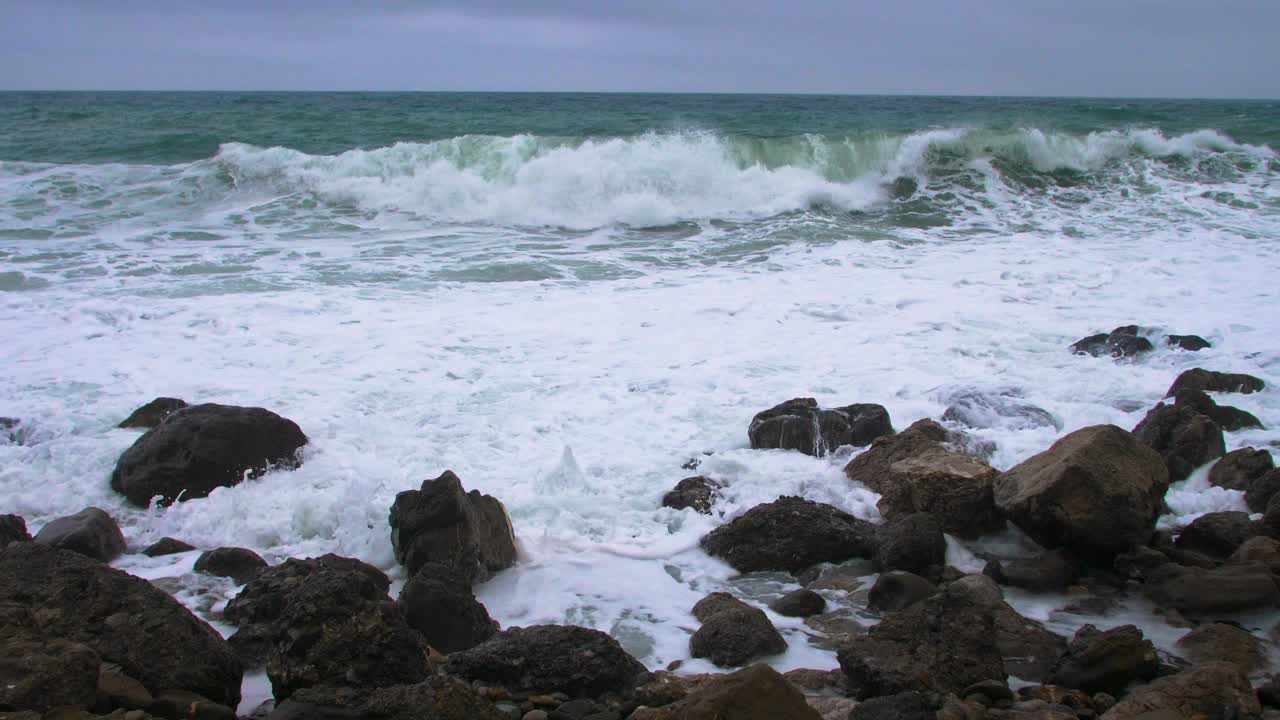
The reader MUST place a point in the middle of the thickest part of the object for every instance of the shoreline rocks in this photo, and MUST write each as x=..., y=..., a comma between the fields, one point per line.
x=578, y=661
x=1212, y=381
x=733, y=633
x=1123, y=342
x=441, y=523
x=791, y=534
x=90, y=532
x=153, y=413
x=799, y=424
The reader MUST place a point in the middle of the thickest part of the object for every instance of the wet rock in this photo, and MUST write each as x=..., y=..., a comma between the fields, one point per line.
x=696, y=492
x=1096, y=491
x=1051, y=571
x=124, y=619
x=1262, y=490
x=911, y=542
x=118, y=690
x=90, y=532
x=757, y=692
x=790, y=534
x=39, y=673
x=442, y=523
x=896, y=590
x=1262, y=550
x=799, y=603
x=437, y=697
x=977, y=409
x=13, y=528
x=1195, y=590
x=1271, y=516
x=204, y=447
x=1211, y=381
x=438, y=602
x=902, y=706
x=1228, y=417
x=1123, y=342
x=239, y=564
x=916, y=471
x=1136, y=563
x=1190, y=343
x=799, y=424
x=1220, y=642
x=1107, y=662
x=733, y=633
x=575, y=660
x=833, y=629
x=181, y=705
x=1216, y=534
x=1029, y=650
x=1239, y=468
x=943, y=644
x=1200, y=691
x=1183, y=437
x=153, y=413
x=167, y=546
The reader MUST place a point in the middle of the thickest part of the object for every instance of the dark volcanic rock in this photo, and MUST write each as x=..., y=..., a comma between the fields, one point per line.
x=916, y=471
x=911, y=542
x=1261, y=491
x=1122, y=342
x=124, y=619
x=790, y=534
x=153, y=413
x=1210, y=381
x=90, y=532
x=239, y=564
x=1108, y=661
x=1185, y=438
x=1050, y=571
x=978, y=409
x=1220, y=642
x=39, y=673
x=1192, y=343
x=1096, y=491
x=800, y=424
x=1216, y=534
x=896, y=590
x=1228, y=418
x=1203, y=691
x=799, y=603
x=438, y=603
x=436, y=698
x=1196, y=590
x=167, y=546
x=752, y=693
x=695, y=492
x=204, y=447
x=442, y=523
x=733, y=633
x=13, y=528
x=547, y=658
x=1239, y=468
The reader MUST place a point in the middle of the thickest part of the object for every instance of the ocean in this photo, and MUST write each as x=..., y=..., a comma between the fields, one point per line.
x=564, y=298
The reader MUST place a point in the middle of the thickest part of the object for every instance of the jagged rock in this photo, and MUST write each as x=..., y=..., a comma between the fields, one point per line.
x=239, y=564
x=695, y=492
x=1260, y=492
x=1123, y=342
x=1201, y=591
x=90, y=532
x=1191, y=343
x=911, y=542
x=442, y=523
x=1183, y=437
x=13, y=528
x=896, y=590
x=1216, y=534
x=124, y=619
x=732, y=633
x=153, y=413
x=1050, y=571
x=1211, y=381
x=1108, y=662
x=757, y=692
x=1228, y=417
x=438, y=602
x=1202, y=690
x=915, y=471
x=565, y=658
x=799, y=424
x=799, y=603
x=204, y=447
x=978, y=409
x=1220, y=642
x=39, y=673
x=167, y=546
x=1239, y=468
x=902, y=706
x=435, y=698
x=790, y=534
x=1096, y=491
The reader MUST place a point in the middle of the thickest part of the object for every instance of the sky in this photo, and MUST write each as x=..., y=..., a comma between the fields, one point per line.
x=1126, y=48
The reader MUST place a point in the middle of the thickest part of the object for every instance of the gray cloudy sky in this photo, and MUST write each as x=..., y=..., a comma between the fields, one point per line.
x=1182, y=48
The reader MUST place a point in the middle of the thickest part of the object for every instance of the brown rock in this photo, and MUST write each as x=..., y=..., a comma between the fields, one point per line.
x=1220, y=642
x=1199, y=691
x=757, y=692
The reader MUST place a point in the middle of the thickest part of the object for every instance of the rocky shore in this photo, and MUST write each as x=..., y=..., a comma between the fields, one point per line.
x=80, y=639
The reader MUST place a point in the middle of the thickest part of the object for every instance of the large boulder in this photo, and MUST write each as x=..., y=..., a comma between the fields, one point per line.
x=1030, y=650
x=902, y=706
x=911, y=542
x=1261, y=491
x=800, y=424
x=897, y=589
x=1228, y=417
x=1183, y=437
x=550, y=658
x=1200, y=591
x=790, y=534
x=1204, y=691
x=1239, y=468
x=1123, y=342
x=153, y=413
x=1211, y=381
x=1106, y=662
x=1220, y=642
x=1216, y=534
x=13, y=528
x=757, y=692
x=435, y=698
x=1096, y=491
x=204, y=447
x=239, y=564
x=437, y=602
x=442, y=523
x=918, y=470
x=1050, y=571
x=733, y=633
x=1004, y=410
x=124, y=619
x=695, y=492
x=38, y=673
x=90, y=532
